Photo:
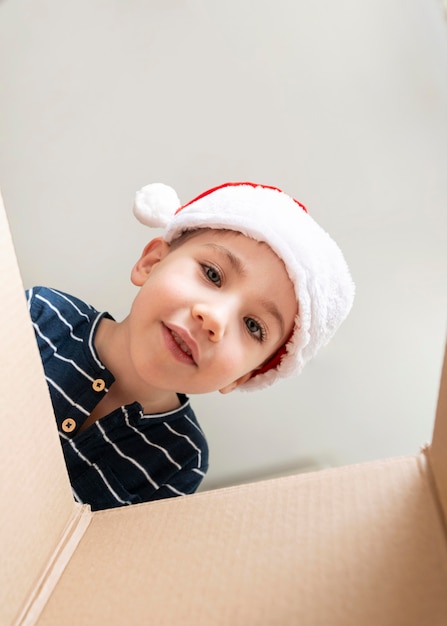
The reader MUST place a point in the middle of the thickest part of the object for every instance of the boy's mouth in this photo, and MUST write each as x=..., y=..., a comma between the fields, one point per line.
x=181, y=344
x=185, y=345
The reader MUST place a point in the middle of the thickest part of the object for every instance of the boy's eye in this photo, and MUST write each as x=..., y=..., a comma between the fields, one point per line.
x=254, y=328
x=213, y=274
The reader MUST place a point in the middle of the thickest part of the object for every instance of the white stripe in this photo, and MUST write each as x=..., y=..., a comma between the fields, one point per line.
x=90, y=342
x=197, y=471
x=59, y=356
x=78, y=406
x=60, y=316
x=143, y=436
x=107, y=484
x=124, y=456
x=30, y=297
x=44, y=337
x=166, y=414
x=76, y=497
x=174, y=490
x=199, y=452
x=194, y=424
x=62, y=295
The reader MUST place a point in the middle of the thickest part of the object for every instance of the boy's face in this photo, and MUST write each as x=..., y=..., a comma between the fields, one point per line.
x=209, y=311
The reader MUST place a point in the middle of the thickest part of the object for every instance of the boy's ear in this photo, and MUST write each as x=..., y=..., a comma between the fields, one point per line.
x=236, y=383
x=152, y=254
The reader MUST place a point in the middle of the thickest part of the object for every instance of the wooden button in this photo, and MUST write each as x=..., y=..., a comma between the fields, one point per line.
x=68, y=425
x=98, y=384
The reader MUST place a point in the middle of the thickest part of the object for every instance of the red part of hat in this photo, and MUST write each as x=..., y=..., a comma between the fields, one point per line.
x=209, y=191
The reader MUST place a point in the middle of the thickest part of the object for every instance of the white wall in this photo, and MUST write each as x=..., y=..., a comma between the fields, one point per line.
x=343, y=104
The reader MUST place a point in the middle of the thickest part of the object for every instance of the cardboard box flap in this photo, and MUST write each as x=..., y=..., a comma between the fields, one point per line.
x=349, y=546
x=37, y=503
x=437, y=452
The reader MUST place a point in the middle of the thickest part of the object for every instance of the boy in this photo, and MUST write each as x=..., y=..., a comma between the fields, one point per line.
x=243, y=287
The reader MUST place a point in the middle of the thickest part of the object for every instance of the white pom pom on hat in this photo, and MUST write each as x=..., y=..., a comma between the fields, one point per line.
x=156, y=204
x=314, y=262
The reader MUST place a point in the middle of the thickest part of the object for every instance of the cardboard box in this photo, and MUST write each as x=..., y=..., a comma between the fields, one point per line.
x=360, y=545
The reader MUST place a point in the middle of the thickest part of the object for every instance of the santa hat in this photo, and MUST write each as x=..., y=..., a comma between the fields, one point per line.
x=315, y=264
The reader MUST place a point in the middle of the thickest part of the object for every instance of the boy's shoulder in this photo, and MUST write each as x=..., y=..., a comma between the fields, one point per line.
x=65, y=328
x=58, y=317
x=54, y=301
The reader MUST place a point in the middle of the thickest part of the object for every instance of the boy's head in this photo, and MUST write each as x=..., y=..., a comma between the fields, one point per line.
x=323, y=287
x=213, y=307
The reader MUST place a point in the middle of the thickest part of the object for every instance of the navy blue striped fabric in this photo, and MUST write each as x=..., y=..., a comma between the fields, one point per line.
x=125, y=457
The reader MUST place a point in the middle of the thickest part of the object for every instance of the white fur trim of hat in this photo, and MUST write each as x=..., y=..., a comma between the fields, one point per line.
x=314, y=262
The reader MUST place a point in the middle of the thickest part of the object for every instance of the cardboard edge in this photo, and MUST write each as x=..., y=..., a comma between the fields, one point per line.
x=62, y=555
x=427, y=466
x=435, y=452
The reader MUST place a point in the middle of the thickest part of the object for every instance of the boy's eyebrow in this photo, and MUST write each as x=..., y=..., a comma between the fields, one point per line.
x=235, y=261
x=237, y=265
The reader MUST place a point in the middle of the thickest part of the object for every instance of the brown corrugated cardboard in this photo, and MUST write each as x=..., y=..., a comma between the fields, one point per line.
x=37, y=505
x=361, y=545
x=364, y=544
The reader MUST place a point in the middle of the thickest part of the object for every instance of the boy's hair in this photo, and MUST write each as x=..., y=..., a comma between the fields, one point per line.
x=185, y=236
x=315, y=264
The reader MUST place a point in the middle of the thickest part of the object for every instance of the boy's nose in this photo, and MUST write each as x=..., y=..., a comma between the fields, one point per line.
x=212, y=319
